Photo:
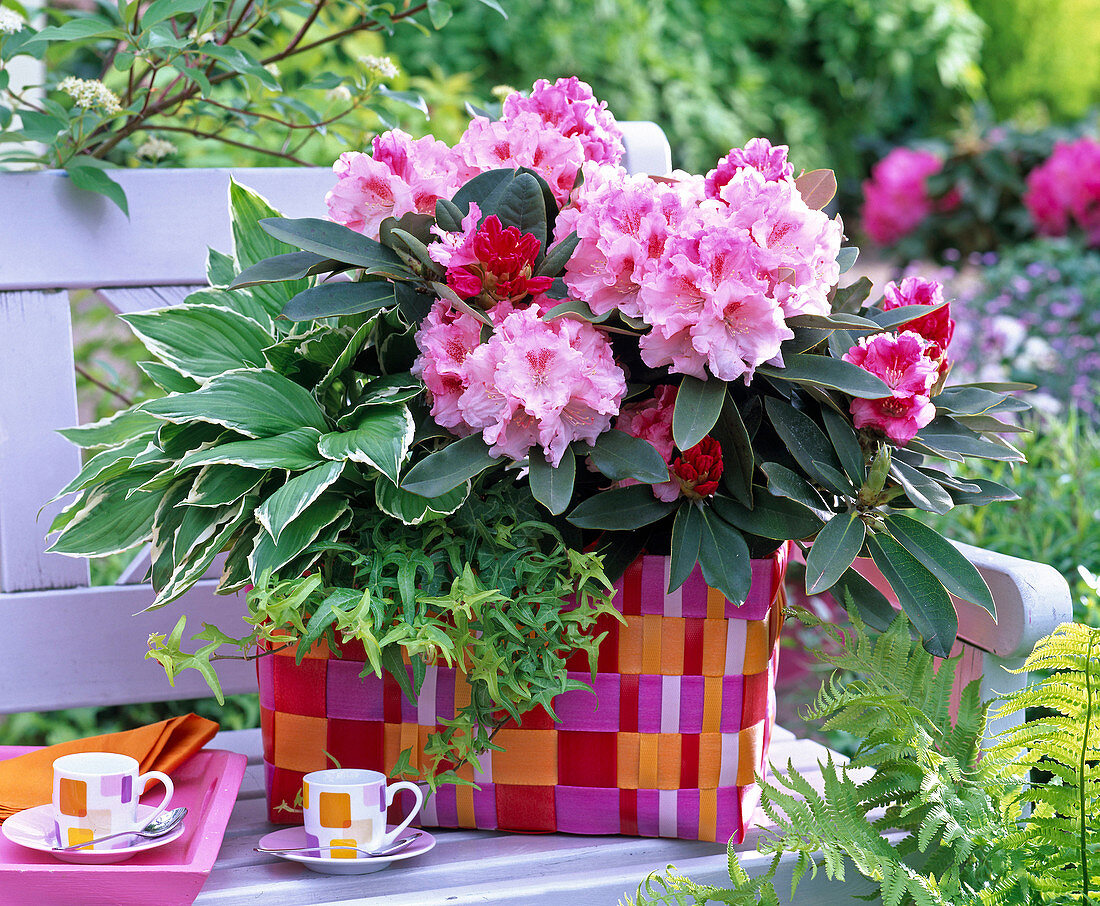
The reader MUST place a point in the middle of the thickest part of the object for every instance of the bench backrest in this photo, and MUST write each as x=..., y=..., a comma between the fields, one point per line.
x=73, y=645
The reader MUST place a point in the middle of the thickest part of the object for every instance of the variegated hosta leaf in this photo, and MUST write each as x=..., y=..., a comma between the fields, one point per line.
x=221, y=484
x=345, y=358
x=201, y=341
x=256, y=403
x=381, y=438
x=241, y=301
x=107, y=522
x=323, y=520
x=108, y=464
x=412, y=509
x=295, y=450
x=113, y=430
x=291, y=500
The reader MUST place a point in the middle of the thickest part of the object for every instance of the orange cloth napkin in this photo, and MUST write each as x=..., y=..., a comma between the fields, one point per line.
x=27, y=780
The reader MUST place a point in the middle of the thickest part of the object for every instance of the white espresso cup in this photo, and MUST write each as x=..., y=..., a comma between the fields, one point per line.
x=97, y=793
x=346, y=807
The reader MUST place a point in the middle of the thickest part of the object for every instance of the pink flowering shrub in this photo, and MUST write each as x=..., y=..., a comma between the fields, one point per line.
x=938, y=327
x=895, y=199
x=1065, y=191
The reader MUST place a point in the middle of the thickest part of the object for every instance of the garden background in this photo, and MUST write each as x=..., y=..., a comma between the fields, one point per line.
x=979, y=94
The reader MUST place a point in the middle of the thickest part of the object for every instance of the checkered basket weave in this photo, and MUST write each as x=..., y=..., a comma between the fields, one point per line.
x=667, y=747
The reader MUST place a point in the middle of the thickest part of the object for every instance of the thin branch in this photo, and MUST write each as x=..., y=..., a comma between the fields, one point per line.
x=198, y=133
x=275, y=119
x=92, y=379
x=306, y=25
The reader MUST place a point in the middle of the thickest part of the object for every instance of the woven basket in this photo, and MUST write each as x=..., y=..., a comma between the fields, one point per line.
x=668, y=746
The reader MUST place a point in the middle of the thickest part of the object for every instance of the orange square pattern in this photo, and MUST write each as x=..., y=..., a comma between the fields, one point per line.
x=335, y=810
x=74, y=798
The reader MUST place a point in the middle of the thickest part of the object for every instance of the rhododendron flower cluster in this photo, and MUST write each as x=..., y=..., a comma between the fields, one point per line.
x=553, y=132
x=903, y=362
x=533, y=382
x=938, y=327
x=493, y=262
x=714, y=275
x=895, y=198
x=699, y=468
x=1065, y=190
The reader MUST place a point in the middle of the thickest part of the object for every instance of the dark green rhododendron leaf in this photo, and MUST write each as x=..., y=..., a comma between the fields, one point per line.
x=698, y=405
x=834, y=549
x=921, y=595
x=552, y=486
x=448, y=468
x=618, y=455
x=620, y=509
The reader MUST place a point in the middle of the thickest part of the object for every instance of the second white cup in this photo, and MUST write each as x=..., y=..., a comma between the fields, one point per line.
x=346, y=807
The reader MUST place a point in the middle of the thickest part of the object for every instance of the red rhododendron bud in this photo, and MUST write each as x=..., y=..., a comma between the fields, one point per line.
x=699, y=468
x=939, y=327
x=497, y=263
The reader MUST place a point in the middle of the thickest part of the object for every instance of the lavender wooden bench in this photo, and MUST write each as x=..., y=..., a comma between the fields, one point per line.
x=90, y=652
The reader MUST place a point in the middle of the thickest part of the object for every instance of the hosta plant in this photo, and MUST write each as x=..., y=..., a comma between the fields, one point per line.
x=606, y=363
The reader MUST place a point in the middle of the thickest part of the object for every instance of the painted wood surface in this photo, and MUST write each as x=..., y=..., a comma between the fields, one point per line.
x=469, y=867
x=38, y=396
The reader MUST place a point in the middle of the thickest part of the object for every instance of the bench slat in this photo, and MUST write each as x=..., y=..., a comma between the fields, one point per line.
x=38, y=397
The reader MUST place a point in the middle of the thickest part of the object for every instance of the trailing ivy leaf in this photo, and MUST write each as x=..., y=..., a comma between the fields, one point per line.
x=291, y=500
x=834, y=549
x=618, y=455
x=828, y=372
x=448, y=468
x=687, y=535
x=806, y=442
x=922, y=597
x=291, y=266
x=552, y=486
x=874, y=608
x=381, y=438
x=620, y=509
x=256, y=403
x=295, y=450
x=778, y=518
x=958, y=575
x=200, y=341
x=698, y=405
x=922, y=490
x=724, y=558
x=738, y=459
x=850, y=299
x=329, y=300
x=558, y=256
x=333, y=240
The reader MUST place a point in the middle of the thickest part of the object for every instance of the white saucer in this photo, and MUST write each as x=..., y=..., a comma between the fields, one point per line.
x=34, y=829
x=292, y=837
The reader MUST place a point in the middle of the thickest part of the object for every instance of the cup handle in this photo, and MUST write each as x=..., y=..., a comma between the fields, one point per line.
x=169, y=789
x=391, y=791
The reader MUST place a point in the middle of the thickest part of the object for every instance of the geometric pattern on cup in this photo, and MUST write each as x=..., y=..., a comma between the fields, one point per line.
x=334, y=810
x=79, y=835
x=344, y=853
x=74, y=797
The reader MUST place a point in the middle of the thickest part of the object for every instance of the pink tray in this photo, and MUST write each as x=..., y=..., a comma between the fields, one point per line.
x=170, y=875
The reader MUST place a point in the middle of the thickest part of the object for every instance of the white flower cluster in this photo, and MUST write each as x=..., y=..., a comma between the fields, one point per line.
x=380, y=67
x=500, y=92
x=10, y=21
x=90, y=94
x=156, y=149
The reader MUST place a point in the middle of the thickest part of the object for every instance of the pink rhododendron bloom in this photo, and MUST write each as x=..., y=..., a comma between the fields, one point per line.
x=456, y=248
x=895, y=199
x=651, y=420
x=623, y=223
x=400, y=176
x=938, y=327
x=523, y=141
x=495, y=264
x=902, y=361
x=770, y=160
x=541, y=382
x=445, y=340
x=569, y=107
x=1065, y=190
